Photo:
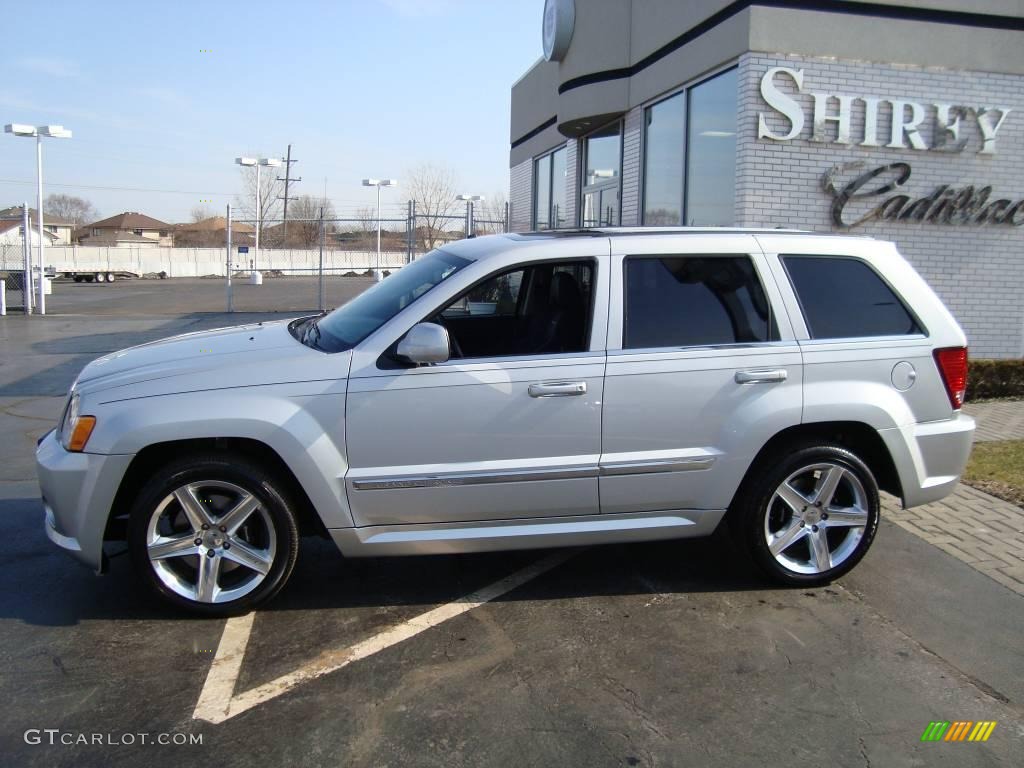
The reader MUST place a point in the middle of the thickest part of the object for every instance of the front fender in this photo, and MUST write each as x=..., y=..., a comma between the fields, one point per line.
x=302, y=423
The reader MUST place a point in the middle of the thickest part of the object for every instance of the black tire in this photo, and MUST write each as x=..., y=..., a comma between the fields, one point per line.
x=88, y=278
x=229, y=471
x=78, y=278
x=752, y=521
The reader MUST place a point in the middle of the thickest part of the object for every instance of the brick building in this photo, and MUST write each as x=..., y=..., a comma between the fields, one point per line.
x=902, y=121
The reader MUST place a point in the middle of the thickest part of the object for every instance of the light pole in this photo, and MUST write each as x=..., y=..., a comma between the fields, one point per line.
x=53, y=132
x=470, y=200
x=259, y=162
x=378, y=183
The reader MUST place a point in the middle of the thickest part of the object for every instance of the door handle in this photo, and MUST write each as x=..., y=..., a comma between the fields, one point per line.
x=558, y=389
x=761, y=377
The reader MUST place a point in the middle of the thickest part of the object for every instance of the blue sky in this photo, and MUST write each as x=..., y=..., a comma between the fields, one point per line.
x=360, y=89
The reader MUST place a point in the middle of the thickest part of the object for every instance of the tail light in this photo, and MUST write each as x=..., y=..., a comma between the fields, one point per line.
x=952, y=364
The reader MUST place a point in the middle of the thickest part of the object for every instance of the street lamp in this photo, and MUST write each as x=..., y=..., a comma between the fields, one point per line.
x=259, y=162
x=470, y=200
x=52, y=132
x=378, y=183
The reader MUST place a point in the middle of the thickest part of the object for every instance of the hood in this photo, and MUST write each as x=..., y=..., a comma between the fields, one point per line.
x=244, y=355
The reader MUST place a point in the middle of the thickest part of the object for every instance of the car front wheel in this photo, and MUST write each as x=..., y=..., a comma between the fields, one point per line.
x=811, y=517
x=214, y=535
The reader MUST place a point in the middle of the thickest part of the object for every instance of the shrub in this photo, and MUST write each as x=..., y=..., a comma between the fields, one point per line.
x=995, y=378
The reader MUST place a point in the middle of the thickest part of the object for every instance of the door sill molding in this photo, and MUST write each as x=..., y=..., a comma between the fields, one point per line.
x=529, y=533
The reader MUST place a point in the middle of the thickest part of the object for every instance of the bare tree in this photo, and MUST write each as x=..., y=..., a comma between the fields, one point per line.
x=366, y=228
x=433, y=189
x=70, y=208
x=200, y=213
x=271, y=190
x=305, y=219
x=489, y=215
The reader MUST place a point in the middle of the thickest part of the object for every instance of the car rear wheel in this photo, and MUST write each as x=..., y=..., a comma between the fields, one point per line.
x=215, y=535
x=811, y=517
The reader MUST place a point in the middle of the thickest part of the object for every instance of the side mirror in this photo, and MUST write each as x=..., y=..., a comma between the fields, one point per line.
x=425, y=343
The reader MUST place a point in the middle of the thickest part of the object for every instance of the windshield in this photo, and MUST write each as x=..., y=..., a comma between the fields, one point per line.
x=351, y=323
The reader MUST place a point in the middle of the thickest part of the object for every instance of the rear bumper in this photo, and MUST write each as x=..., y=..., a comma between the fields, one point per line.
x=930, y=457
x=78, y=490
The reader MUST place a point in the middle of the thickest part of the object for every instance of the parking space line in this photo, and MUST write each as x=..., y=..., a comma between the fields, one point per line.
x=218, y=701
x=220, y=680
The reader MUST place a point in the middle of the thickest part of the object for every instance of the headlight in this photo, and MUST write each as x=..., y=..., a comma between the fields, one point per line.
x=75, y=429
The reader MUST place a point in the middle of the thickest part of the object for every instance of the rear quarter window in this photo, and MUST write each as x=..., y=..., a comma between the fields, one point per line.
x=845, y=298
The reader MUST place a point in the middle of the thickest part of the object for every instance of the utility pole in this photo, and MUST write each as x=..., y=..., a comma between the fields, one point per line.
x=288, y=181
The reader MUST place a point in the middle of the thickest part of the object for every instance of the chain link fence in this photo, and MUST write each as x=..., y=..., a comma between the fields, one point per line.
x=318, y=263
x=14, y=271
x=299, y=265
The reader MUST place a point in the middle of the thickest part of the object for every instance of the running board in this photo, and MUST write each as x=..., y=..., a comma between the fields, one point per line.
x=535, y=533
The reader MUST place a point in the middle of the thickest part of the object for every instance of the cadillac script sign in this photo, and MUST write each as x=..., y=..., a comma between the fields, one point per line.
x=861, y=193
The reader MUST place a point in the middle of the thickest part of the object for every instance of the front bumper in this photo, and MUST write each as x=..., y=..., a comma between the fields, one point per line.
x=78, y=491
x=930, y=457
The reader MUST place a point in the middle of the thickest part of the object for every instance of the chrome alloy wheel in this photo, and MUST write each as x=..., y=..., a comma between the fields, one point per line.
x=816, y=518
x=211, y=541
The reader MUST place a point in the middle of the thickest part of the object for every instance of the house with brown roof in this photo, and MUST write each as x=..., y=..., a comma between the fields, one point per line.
x=212, y=233
x=58, y=231
x=128, y=229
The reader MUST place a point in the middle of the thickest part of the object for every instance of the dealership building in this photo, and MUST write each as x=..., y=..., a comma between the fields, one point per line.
x=900, y=121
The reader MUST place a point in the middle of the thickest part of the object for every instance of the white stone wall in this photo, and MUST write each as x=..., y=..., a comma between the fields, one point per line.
x=520, y=197
x=572, y=175
x=199, y=262
x=632, y=167
x=978, y=270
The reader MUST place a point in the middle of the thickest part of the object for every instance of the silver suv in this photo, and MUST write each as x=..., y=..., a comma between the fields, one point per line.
x=519, y=391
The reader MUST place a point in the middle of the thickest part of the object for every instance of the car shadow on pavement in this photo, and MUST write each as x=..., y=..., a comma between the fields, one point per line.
x=712, y=564
x=47, y=587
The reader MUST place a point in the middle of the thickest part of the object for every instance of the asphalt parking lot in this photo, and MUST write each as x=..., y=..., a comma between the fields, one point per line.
x=672, y=653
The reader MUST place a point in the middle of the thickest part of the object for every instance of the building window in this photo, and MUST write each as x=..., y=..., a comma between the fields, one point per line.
x=690, y=155
x=602, y=172
x=664, y=124
x=549, y=190
x=711, y=152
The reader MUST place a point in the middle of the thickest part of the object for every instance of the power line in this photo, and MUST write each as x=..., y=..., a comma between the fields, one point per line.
x=287, y=181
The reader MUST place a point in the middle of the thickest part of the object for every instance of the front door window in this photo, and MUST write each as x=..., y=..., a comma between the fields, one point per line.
x=541, y=309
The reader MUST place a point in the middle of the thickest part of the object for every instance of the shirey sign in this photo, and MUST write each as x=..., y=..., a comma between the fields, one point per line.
x=945, y=205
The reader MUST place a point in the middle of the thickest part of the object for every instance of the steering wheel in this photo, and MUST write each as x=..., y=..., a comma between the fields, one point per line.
x=453, y=343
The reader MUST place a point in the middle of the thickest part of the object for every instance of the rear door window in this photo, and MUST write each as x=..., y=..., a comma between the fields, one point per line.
x=684, y=301
x=845, y=298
